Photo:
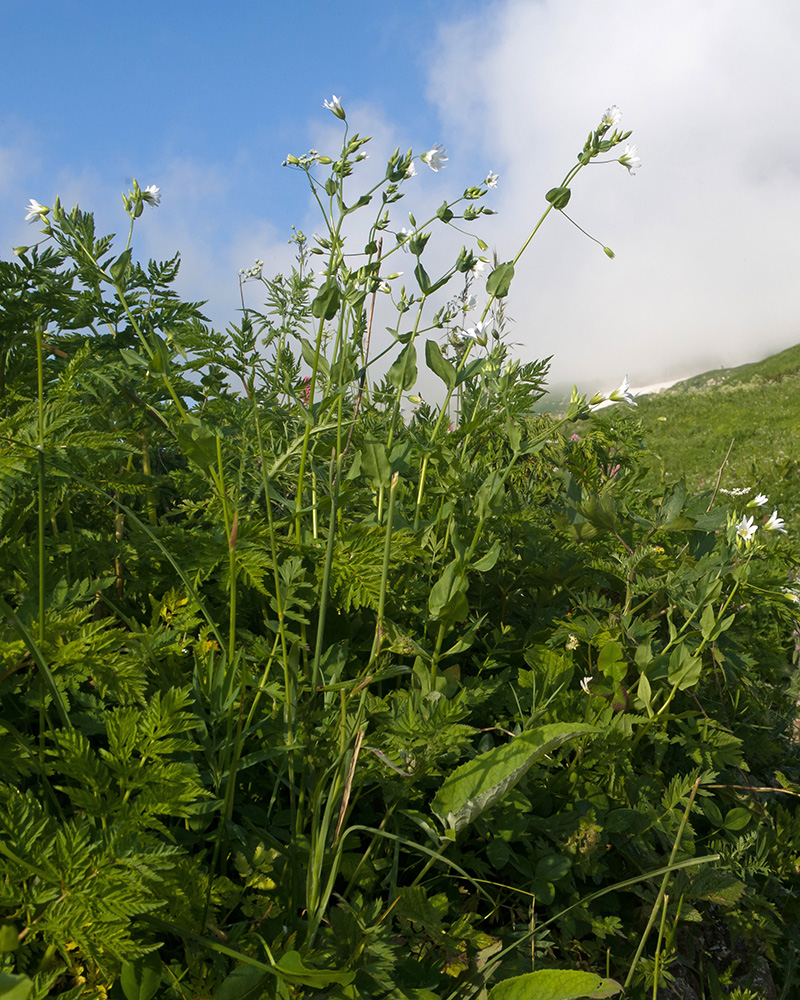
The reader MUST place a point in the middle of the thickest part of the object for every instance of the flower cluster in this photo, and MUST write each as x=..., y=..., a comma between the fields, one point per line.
x=252, y=272
x=746, y=527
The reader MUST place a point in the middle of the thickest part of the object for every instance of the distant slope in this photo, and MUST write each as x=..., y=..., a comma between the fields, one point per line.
x=774, y=368
x=753, y=410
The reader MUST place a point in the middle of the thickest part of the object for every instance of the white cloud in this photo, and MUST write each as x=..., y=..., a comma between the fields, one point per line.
x=704, y=233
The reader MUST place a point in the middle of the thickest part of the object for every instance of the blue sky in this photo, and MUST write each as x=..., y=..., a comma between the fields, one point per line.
x=205, y=101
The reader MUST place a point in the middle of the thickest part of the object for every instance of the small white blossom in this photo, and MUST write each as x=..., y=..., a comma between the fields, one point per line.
x=630, y=159
x=334, y=105
x=746, y=528
x=469, y=303
x=411, y=170
x=775, y=523
x=152, y=195
x=479, y=333
x=491, y=180
x=478, y=268
x=435, y=157
x=611, y=116
x=759, y=500
x=572, y=642
x=585, y=685
x=35, y=210
x=623, y=394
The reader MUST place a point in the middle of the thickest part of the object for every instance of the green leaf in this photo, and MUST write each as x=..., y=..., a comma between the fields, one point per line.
x=439, y=365
x=246, y=982
x=9, y=938
x=120, y=266
x=499, y=281
x=375, y=462
x=403, y=372
x=447, y=600
x=311, y=359
x=291, y=967
x=423, y=280
x=444, y=212
x=197, y=441
x=684, y=669
x=487, y=562
x=736, y=819
x=558, y=197
x=141, y=978
x=161, y=357
x=15, y=987
x=552, y=868
x=326, y=303
x=480, y=783
x=555, y=984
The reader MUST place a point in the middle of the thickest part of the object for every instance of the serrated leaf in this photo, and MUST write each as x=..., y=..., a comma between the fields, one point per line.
x=480, y=783
x=555, y=984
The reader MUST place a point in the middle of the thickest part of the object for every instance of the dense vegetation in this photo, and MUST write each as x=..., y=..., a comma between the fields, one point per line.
x=307, y=693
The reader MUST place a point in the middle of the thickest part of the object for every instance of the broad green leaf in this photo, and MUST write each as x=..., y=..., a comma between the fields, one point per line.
x=474, y=367
x=161, y=357
x=684, y=669
x=487, y=562
x=553, y=867
x=290, y=966
x=15, y=987
x=375, y=462
x=499, y=281
x=736, y=819
x=558, y=197
x=423, y=280
x=555, y=984
x=246, y=982
x=141, y=978
x=311, y=359
x=403, y=372
x=197, y=441
x=120, y=266
x=9, y=938
x=480, y=783
x=326, y=304
x=447, y=599
x=439, y=365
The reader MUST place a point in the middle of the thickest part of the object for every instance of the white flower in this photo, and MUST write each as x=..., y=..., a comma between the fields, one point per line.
x=623, y=394
x=630, y=159
x=746, y=528
x=334, y=105
x=411, y=170
x=469, y=303
x=775, y=523
x=478, y=268
x=36, y=211
x=611, y=116
x=152, y=195
x=491, y=180
x=435, y=157
x=479, y=333
x=758, y=501
x=585, y=685
x=572, y=643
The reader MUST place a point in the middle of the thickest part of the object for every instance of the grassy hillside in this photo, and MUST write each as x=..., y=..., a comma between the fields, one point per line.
x=751, y=414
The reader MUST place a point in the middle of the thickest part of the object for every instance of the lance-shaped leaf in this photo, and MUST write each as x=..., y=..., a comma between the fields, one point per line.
x=403, y=373
x=555, y=984
x=439, y=365
x=485, y=780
